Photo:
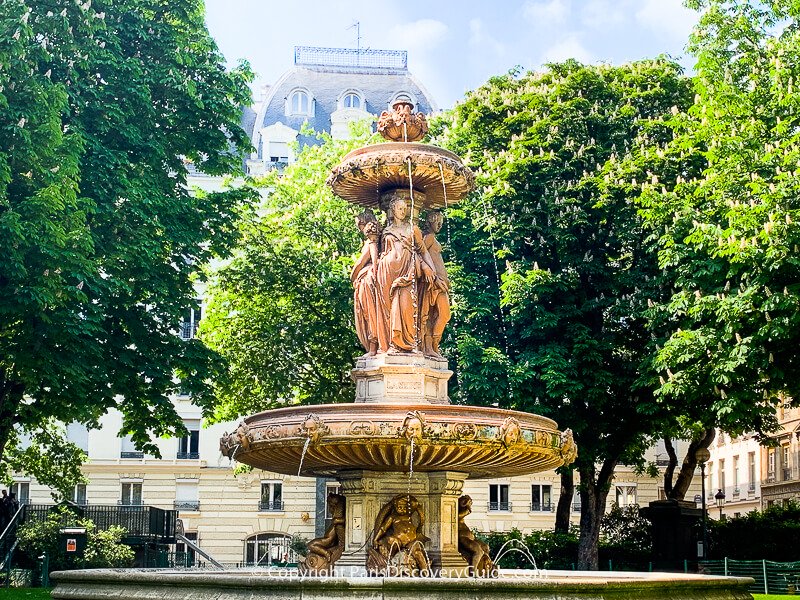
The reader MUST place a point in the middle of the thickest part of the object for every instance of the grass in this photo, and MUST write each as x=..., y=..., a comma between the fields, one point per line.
x=24, y=594
x=769, y=597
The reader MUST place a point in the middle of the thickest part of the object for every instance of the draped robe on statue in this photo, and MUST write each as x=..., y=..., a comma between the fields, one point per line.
x=396, y=274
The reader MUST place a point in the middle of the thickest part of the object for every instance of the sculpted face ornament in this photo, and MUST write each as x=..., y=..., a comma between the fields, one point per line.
x=510, y=432
x=401, y=124
x=413, y=427
x=313, y=428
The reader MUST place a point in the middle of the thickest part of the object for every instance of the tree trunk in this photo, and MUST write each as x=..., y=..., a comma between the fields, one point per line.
x=690, y=464
x=669, y=472
x=564, y=508
x=594, y=491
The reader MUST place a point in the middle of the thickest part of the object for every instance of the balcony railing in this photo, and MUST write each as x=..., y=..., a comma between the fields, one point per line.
x=131, y=454
x=267, y=505
x=188, y=455
x=188, y=330
x=142, y=523
x=188, y=505
x=787, y=474
x=576, y=506
x=499, y=506
x=541, y=507
x=751, y=487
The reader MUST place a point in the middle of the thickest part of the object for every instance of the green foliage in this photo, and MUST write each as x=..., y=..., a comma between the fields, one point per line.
x=280, y=312
x=768, y=535
x=625, y=535
x=100, y=105
x=299, y=545
x=729, y=233
x=104, y=548
x=568, y=338
x=46, y=452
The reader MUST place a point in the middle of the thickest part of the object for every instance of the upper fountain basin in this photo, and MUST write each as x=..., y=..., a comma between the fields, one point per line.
x=436, y=174
x=323, y=440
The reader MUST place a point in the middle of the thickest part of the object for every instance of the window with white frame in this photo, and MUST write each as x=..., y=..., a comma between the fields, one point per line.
x=131, y=493
x=626, y=495
x=187, y=495
x=735, y=474
x=79, y=494
x=541, y=495
x=278, y=151
x=266, y=549
x=271, y=496
x=771, y=464
x=189, y=445
x=300, y=103
x=721, y=474
x=21, y=491
x=191, y=321
x=351, y=100
x=128, y=450
x=499, y=497
x=785, y=465
x=751, y=471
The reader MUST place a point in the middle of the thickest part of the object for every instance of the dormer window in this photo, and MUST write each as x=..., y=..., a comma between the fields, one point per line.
x=351, y=100
x=300, y=103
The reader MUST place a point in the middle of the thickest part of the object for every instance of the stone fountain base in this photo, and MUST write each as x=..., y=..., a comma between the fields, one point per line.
x=368, y=491
x=128, y=584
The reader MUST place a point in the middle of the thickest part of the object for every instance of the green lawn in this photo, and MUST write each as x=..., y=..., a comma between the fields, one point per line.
x=24, y=594
x=769, y=597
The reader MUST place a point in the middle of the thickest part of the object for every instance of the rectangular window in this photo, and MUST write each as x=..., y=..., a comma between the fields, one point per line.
x=131, y=493
x=710, y=479
x=721, y=474
x=751, y=471
x=626, y=495
x=186, y=495
x=21, y=491
x=189, y=445
x=735, y=474
x=128, y=450
x=499, y=497
x=771, y=465
x=576, y=501
x=541, y=498
x=191, y=321
x=271, y=496
x=279, y=152
x=786, y=466
x=79, y=494
x=184, y=554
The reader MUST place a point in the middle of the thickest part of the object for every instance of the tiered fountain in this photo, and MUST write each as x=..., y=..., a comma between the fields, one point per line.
x=401, y=451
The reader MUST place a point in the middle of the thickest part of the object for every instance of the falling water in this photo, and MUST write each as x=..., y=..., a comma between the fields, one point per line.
x=518, y=547
x=303, y=455
x=405, y=132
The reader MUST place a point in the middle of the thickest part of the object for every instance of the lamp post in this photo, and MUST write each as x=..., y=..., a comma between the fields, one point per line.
x=720, y=498
x=702, y=455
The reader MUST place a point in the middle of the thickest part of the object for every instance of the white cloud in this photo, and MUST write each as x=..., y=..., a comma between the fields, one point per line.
x=478, y=36
x=666, y=16
x=600, y=14
x=546, y=13
x=568, y=47
x=422, y=35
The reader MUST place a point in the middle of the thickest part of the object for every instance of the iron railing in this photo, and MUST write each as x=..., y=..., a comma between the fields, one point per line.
x=142, y=523
x=541, y=507
x=188, y=455
x=186, y=505
x=273, y=505
x=131, y=454
x=499, y=506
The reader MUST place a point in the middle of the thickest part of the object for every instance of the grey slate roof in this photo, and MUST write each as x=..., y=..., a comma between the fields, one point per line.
x=327, y=83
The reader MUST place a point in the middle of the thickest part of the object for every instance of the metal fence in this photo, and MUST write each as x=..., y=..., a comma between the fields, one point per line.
x=770, y=577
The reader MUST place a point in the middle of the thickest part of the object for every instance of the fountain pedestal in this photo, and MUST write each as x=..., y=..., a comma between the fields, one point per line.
x=401, y=379
x=438, y=492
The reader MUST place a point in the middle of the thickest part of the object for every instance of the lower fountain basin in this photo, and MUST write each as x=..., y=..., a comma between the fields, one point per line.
x=129, y=584
x=326, y=439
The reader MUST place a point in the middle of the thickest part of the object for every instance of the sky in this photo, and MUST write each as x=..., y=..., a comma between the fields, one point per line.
x=453, y=46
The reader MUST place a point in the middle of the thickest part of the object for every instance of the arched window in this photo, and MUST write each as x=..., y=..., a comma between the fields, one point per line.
x=351, y=100
x=269, y=549
x=299, y=103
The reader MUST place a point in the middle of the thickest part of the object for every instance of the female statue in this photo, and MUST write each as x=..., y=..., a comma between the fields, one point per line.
x=435, y=296
x=363, y=278
x=404, y=262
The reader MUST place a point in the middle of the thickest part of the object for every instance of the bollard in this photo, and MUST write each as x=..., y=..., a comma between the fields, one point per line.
x=45, y=570
x=766, y=583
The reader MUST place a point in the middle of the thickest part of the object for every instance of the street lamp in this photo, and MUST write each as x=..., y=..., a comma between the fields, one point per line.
x=702, y=455
x=720, y=498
